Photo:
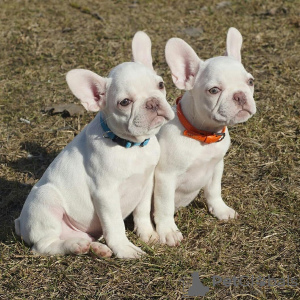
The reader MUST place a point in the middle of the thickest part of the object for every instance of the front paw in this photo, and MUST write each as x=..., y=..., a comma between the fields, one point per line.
x=223, y=212
x=169, y=235
x=127, y=250
x=147, y=235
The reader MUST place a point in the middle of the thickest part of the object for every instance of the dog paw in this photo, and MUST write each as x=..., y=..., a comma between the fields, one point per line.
x=224, y=212
x=169, y=235
x=77, y=246
x=128, y=250
x=148, y=236
x=100, y=250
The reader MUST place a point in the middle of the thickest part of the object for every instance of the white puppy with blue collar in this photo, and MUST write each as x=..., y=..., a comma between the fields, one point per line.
x=106, y=172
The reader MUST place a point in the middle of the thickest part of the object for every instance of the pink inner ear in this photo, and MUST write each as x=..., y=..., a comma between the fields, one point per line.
x=95, y=92
x=183, y=62
x=98, y=102
x=89, y=87
x=189, y=71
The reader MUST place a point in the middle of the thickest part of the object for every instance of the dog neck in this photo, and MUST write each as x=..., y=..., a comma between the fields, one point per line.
x=196, y=118
x=118, y=140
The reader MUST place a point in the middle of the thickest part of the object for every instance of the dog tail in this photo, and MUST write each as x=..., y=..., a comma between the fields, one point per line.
x=17, y=226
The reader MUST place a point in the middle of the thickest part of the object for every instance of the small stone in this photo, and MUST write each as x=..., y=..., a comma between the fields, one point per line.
x=223, y=4
x=192, y=31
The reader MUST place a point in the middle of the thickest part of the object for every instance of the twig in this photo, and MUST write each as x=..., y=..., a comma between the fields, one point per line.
x=87, y=11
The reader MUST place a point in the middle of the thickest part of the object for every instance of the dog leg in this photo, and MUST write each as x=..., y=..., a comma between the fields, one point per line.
x=42, y=225
x=212, y=193
x=142, y=216
x=54, y=246
x=108, y=208
x=164, y=209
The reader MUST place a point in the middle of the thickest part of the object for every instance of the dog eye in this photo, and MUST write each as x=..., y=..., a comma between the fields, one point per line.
x=125, y=102
x=214, y=90
x=251, y=82
x=161, y=85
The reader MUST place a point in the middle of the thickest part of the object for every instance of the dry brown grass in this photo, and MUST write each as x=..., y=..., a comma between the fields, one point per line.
x=42, y=40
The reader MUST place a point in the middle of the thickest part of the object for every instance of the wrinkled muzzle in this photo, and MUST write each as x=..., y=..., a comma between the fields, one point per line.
x=235, y=108
x=151, y=115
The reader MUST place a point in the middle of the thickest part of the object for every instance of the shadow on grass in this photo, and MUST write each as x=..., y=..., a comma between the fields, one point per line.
x=13, y=193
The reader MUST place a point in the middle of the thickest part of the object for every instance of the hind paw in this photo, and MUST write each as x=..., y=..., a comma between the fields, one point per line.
x=77, y=246
x=100, y=250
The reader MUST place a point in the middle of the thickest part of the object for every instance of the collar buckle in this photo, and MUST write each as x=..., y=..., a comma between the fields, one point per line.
x=106, y=134
x=221, y=135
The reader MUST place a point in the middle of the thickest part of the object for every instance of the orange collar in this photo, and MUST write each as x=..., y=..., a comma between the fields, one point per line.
x=196, y=134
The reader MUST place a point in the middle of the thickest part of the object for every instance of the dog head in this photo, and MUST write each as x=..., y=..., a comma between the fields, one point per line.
x=221, y=87
x=132, y=98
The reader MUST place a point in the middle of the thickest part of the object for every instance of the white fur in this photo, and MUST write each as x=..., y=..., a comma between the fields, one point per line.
x=187, y=165
x=94, y=184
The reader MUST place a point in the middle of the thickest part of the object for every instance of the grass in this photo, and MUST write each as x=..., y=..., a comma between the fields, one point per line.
x=42, y=40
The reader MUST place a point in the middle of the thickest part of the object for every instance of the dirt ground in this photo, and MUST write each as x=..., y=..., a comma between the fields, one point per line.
x=42, y=40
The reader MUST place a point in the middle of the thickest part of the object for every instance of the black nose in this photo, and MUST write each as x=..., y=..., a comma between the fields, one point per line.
x=240, y=98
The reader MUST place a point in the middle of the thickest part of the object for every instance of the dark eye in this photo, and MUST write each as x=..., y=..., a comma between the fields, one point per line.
x=251, y=82
x=161, y=85
x=214, y=90
x=125, y=102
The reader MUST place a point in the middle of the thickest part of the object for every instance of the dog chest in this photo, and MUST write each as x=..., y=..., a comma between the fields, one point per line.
x=199, y=170
x=132, y=190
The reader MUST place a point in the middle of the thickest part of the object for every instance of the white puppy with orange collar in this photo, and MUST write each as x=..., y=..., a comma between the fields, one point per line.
x=193, y=145
x=107, y=171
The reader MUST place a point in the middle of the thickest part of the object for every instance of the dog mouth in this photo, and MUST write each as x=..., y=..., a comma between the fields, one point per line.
x=157, y=122
x=244, y=113
x=143, y=126
x=241, y=116
x=150, y=121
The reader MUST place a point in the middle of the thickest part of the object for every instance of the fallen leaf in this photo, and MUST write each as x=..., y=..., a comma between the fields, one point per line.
x=65, y=109
x=30, y=181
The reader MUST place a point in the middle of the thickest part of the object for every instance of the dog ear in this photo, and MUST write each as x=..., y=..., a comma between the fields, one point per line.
x=88, y=87
x=234, y=43
x=141, y=49
x=183, y=62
